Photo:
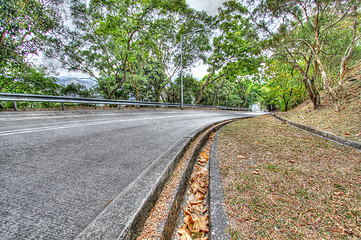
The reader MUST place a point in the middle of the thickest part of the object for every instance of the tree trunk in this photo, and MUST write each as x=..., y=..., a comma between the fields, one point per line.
x=312, y=91
x=135, y=84
x=216, y=92
x=245, y=96
x=201, y=94
x=333, y=93
x=205, y=85
x=287, y=101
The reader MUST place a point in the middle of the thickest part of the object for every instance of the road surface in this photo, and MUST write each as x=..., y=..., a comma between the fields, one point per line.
x=59, y=170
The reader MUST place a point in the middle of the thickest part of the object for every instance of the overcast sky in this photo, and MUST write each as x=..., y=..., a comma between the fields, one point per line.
x=210, y=6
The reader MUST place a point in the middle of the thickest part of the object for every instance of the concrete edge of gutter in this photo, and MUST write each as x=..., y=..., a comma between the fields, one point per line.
x=320, y=133
x=217, y=214
x=124, y=217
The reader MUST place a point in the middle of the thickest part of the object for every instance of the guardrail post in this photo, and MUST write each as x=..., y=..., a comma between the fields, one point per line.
x=15, y=107
x=62, y=106
x=95, y=106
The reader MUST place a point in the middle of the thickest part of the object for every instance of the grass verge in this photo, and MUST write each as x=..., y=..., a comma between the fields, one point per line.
x=283, y=183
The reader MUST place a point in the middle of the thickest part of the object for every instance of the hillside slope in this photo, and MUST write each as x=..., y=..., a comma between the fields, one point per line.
x=345, y=123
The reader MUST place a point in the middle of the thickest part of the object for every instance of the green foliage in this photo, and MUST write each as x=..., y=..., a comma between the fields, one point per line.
x=23, y=25
x=111, y=36
x=28, y=80
x=235, y=49
x=76, y=90
x=283, y=89
x=190, y=89
x=320, y=39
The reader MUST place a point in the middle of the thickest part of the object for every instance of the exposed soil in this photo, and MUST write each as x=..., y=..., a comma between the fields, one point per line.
x=284, y=183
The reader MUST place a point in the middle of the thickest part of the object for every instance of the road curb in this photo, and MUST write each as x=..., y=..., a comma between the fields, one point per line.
x=217, y=217
x=323, y=134
x=124, y=217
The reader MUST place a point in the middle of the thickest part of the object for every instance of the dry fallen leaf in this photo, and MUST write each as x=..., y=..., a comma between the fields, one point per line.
x=188, y=220
x=205, y=209
x=186, y=234
x=241, y=157
x=196, y=225
x=204, y=222
x=338, y=193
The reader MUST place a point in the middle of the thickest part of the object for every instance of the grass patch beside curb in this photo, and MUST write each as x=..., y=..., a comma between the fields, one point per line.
x=281, y=182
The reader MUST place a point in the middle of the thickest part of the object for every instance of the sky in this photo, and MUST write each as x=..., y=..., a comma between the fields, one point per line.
x=210, y=6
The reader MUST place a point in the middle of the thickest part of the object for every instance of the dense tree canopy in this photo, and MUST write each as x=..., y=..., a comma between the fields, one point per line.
x=318, y=38
x=274, y=52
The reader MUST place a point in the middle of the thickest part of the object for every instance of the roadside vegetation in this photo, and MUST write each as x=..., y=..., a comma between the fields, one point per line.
x=284, y=183
x=275, y=54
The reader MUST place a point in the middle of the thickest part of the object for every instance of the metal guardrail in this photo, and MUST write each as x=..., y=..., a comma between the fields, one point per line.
x=16, y=97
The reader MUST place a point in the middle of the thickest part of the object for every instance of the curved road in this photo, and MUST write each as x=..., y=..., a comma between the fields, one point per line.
x=59, y=170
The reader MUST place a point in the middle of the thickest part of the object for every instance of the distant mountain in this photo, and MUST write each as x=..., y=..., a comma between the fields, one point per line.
x=87, y=82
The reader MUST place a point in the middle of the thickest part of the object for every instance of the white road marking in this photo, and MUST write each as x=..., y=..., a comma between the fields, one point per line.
x=38, y=129
x=40, y=116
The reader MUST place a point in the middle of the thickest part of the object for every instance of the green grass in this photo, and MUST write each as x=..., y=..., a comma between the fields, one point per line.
x=306, y=188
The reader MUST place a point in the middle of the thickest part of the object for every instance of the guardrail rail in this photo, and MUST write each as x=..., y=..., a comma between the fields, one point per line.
x=17, y=97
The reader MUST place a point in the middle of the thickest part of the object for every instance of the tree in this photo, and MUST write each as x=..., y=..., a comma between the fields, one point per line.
x=185, y=33
x=76, y=90
x=191, y=88
x=30, y=80
x=235, y=49
x=23, y=26
x=109, y=37
x=283, y=87
x=306, y=32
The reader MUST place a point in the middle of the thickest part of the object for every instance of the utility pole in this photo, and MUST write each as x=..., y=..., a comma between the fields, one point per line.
x=181, y=72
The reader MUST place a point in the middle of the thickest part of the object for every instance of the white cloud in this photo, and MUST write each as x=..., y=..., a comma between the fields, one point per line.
x=210, y=6
x=200, y=71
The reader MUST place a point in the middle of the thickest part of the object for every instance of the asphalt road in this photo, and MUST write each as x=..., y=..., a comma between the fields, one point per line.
x=59, y=170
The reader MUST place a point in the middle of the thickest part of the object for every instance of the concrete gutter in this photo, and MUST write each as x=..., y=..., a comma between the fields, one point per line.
x=167, y=227
x=323, y=134
x=124, y=217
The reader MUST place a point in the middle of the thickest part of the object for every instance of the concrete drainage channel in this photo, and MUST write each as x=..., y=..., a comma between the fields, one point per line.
x=167, y=216
x=129, y=214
